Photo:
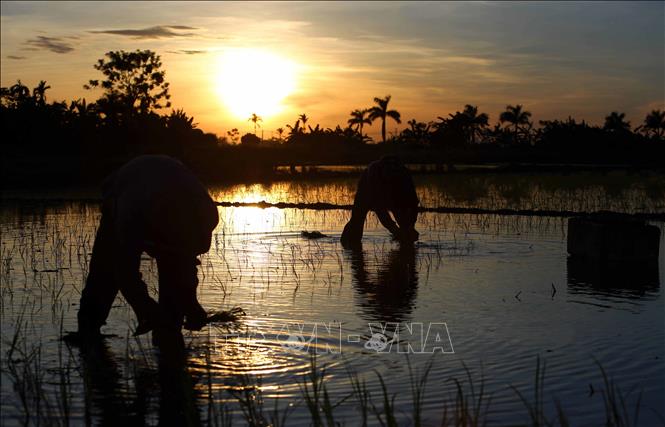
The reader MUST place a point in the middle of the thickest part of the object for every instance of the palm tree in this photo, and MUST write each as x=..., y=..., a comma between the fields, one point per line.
x=380, y=111
x=39, y=93
x=516, y=116
x=475, y=121
x=616, y=122
x=315, y=129
x=79, y=111
x=417, y=132
x=655, y=123
x=255, y=119
x=295, y=129
x=280, y=131
x=19, y=93
x=358, y=119
x=179, y=121
x=81, y=108
x=303, y=118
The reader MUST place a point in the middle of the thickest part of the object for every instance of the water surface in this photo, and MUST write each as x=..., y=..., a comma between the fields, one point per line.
x=503, y=286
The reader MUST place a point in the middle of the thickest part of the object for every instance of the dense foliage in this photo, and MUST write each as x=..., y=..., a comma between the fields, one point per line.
x=80, y=139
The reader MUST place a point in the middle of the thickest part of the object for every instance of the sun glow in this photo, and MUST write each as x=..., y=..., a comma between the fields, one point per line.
x=254, y=81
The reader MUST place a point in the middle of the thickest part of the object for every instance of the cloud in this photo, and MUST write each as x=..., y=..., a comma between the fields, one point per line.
x=156, y=32
x=187, y=51
x=15, y=57
x=54, y=44
x=182, y=27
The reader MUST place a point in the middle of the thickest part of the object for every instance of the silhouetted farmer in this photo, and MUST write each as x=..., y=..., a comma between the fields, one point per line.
x=385, y=186
x=152, y=204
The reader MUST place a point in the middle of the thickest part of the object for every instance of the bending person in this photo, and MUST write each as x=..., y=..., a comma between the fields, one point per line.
x=385, y=186
x=152, y=204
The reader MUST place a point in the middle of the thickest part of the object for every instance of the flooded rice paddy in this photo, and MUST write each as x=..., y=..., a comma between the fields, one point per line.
x=478, y=304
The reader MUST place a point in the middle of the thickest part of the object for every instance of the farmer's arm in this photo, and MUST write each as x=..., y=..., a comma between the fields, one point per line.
x=178, y=282
x=353, y=231
x=387, y=221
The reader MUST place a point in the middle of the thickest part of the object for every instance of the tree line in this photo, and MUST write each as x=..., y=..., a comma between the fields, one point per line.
x=128, y=119
x=469, y=127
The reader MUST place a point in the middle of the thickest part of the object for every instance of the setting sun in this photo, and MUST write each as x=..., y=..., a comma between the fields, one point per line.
x=261, y=212
x=254, y=81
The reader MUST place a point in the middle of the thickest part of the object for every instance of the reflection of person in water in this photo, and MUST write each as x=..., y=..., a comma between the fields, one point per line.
x=152, y=204
x=105, y=397
x=385, y=186
x=389, y=298
x=108, y=399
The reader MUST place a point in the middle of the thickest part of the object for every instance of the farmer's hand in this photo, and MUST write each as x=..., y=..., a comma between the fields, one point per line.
x=196, y=319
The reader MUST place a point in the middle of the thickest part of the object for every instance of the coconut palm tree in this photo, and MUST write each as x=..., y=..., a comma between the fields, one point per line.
x=303, y=119
x=315, y=129
x=616, y=122
x=280, y=132
x=39, y=93
x=417, y=132
x=81, y=113
x=380, y=111
x=179, y=121
x=358, y=119
x=18, y=94
x=654, y=123
x=295, y=129
x=475, y=122
x=517, y=117
x=255, y=119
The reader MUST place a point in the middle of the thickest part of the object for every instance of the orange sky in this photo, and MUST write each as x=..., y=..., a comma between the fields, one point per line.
x=326, y=59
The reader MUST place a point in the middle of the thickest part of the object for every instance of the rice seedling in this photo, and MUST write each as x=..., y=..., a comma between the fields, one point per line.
x=361, y=394
x=535, y=408
x=316, y=396
x=385, y=415
x=44, y=262
x=418, y=388
x=617, y=412
x=470, y=406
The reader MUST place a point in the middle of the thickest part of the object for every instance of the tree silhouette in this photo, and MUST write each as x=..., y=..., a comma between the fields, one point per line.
x=39, y=93
x=654, y=123
x=294, y=130
x=460, y=128
x=81, y=107
x=280, y=132
x=233, y=135
x=380, y=111
x=255, y=119
x=303, y=118
x=358, y=120
x=83, y=113
x=178, y=120
x=616, y=122
x=134, y=80
x=475, y=122
x=417, y=132
x=20, y=91
x=250, y=139
x=517, y=117
x=15, y=96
